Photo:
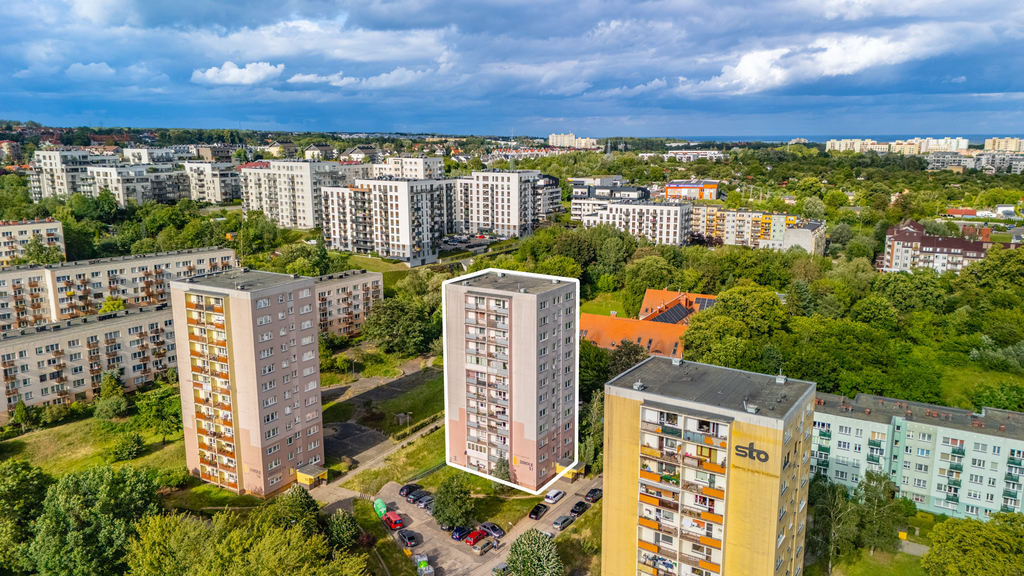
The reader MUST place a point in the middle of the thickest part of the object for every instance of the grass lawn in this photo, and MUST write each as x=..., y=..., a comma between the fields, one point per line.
x=958, y=383
x=376, y=364
x=337, y=467
x=333, y=378
x=397, y=562
x=881, y=564
x=580, y=545
x=477, y=485
x=604, y=304
x=338, y=411
x=197, y=495
x=83, y=444
x=372, y=264
x=1001, y=237
x=503, y=511
x=419, y=456
x=422, y=401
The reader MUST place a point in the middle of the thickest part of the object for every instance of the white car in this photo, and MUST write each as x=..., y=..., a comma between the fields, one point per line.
x=549, y=535
x=553, y=496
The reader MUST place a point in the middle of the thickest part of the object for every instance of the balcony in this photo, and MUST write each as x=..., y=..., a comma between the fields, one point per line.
x=663, y=429
x=7, y=364
x=954, y=482
x=1005, y=508
x=959, y=451
x=1009, y=493
x=875, y=443
x=665, y=503
x=663, y=455
x=1011, y=461
x=57, y=353
x=824, y=449
x=1010, y=477
x=820, y=463
x=874, y=459
x=952, y=498
x=956, y=466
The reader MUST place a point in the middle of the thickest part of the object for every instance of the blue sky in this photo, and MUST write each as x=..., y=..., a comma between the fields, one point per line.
x=599, y=68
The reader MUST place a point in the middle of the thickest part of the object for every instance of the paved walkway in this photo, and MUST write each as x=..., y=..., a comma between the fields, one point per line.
x=913, y=548
x=378, y=389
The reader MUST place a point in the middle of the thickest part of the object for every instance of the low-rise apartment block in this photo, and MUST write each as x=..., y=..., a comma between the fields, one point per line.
x=570, y=140
x=250, y=390
x=408, y=166
x=32, y=295
x=215, y=182
x=319, y=152
x=659, y=222
x=692, y=190
x=10, y=150
x=63, y=362
x=1003, y=144
x=148, y=155
x=344, y=300
x=15, y=234
x=947, y=460
x=395, y=217
x=511, y=374
x=706, y=470
x=908, y=247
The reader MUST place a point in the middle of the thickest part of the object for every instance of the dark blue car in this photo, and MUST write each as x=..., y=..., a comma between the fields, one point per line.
x=460, y=533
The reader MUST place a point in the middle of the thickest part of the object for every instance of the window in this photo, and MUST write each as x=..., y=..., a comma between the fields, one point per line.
x=977, y=463
x=844, y=445
x=262, y=303
x=263, y=320
x=923, y=452
x=844, y=430
x=924, y=437
x=979, y=447
x=266, y=336
x=919, y=483
x=976, y=479
x=271, y=433
x=921, y=467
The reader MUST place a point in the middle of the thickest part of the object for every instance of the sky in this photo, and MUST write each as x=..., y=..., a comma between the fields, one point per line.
x=597, y=68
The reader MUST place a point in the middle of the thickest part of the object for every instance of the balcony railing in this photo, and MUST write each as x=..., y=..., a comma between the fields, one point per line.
x=875, y=443
x=959, y=451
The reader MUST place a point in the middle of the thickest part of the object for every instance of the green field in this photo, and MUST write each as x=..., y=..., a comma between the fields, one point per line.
x=82, y=444
x=580, y=545
x=338, y=411
x=881, y=564
x=604, y=304
x=397, y=562
x=197, y=495
x=419, y=456
x=422, y=401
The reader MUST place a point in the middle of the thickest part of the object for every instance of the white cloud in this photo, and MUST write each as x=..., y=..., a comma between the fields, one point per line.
x=958, y=80
x=93, y=71
x=398, y=77
x=36, y=71
x=229, y=73
x=656, y=84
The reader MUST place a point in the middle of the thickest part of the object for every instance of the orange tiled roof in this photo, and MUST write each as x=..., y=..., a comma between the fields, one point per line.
x=658, y=301
x=658, y=338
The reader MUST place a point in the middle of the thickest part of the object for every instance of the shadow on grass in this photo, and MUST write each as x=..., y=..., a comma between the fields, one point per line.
x=11, y=448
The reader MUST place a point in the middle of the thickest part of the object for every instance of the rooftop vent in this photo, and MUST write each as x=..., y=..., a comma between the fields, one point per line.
x=554, y=280
x=750, y=408
x=638, y=385
x=501, y=274
x=676, y=361
x=780, y=379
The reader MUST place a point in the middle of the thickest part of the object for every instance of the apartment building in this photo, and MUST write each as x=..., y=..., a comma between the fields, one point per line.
x=319, y=152
x=947, y=460
x=589, y=198
x=167, y=182
x=905, y=148
x=63, y=362
x=415, y=167
x=148, y=155
x=397, y=218
x=599, y=180
x=32, y=295
x=288, y=191
x=659, y=222
x=499, y=201
x=250, y=391
x=215, y=182
x=807, y=234
x=570, y=140
x=344, y=300
x=511, y=374
x=691, y=190
x=907, y=247
x=125, y=181
x=1003, y=144
x=849, y=145
x=10, y=150
x=15, y=234
x=706, y=471
x=59, y=172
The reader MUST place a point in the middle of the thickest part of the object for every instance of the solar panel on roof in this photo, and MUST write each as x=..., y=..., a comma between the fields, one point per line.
x=673, y=315
x=703, y=303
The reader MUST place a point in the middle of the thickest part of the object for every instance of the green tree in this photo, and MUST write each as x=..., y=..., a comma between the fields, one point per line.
x=842, y=233
x=594, y=369
x=963, y=546
x=127, y=446
x=814, y=208
x=294, y=509
x=757, y=307
x=881, y=513
x=875, y=311
x=453, y=503
x=88, y=520
x=593, y=443
x=22, y=491
x=833, y=533
x=343, y=530
x=559, y=266
x=38, y=253
x=397, y=325
x=22, y=416
x=576, y=247
x=648, y=272
x=112, y=304
x=160, y=410
x=626, y=355
x=111, y=385
x=502, y=472
x=535, y=554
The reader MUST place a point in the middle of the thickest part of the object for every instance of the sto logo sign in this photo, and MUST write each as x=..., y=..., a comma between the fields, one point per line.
x=752, y=453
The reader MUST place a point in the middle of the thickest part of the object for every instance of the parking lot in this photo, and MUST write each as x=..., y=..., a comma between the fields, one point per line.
x=455, y=558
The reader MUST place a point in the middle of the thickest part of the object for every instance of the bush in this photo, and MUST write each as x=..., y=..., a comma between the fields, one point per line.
x=111, y=407
x=342, y=529
x=54, y=413
x=367, y=540
x=128, y=446
x=173, y=478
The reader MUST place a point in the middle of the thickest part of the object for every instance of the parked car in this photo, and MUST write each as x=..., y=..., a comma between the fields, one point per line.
x=553, y=496
x=429, y=508
x=562, y=522
x=578, y=509
x=549, y=535
x=538, y=511
x=425, y=501
x=483, y=546
x=594, y=495
x=492, y=529
x=474, y=537
x=407, y=538
x=500, y=570
x=415, y=495
x=392, y=520
x=408, y=489
x=460, y=533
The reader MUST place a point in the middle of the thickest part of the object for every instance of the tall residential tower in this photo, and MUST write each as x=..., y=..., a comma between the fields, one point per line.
x=511, y=366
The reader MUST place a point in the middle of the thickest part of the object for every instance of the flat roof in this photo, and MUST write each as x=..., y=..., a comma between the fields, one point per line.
x=880, y=409
x=511, y=281
x=715, y=386
x=342, y=275
x=240, y=279
x=113, y=259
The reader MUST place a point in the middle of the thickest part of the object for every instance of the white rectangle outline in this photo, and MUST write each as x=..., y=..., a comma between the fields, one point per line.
x=576, y=376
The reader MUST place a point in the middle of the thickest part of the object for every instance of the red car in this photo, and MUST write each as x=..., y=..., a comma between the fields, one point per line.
x=475, y=536
x=392, y=520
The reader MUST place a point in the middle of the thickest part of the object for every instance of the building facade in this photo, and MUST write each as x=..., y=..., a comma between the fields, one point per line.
x=32, y=295
x=288, y=191
x=511, y=374
x=706, y=471
x=570, y=140
x=947, y=460
x=250, y=392
x=64, y=362
x=214, y=182
x=908, y=247
x=692, y=190
x=415, y=167
x=344, y=300
x=395, y=217
x=497, y=201
x=659, y=222
x=15, y=234
x=1003, y=144
x=60, y=172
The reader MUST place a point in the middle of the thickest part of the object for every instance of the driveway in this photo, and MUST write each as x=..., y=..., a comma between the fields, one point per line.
x=452, y=558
